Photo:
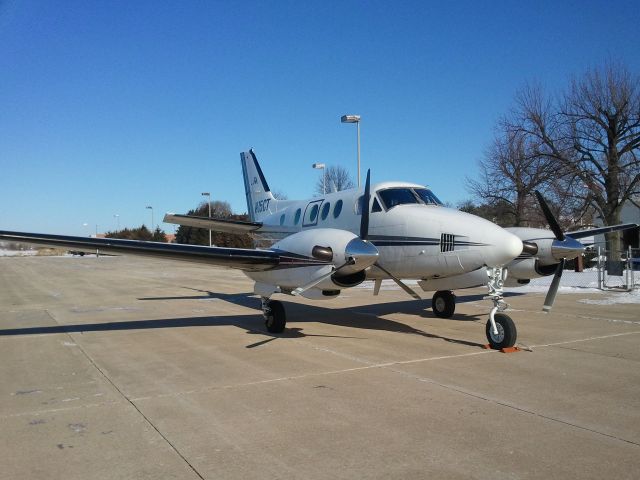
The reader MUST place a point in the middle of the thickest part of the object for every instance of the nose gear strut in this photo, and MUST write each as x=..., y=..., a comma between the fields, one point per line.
x=501, y=331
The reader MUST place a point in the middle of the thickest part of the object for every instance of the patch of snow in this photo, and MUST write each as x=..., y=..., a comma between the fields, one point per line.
x=614, y=298
x=17, y=253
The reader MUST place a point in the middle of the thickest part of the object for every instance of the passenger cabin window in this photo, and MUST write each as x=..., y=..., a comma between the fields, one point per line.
x=282, y=219
x=337, y=209
x=376, y=206
x=297, y=217
x=427, y=196
x=325, y=210
x=393, y=197
x=314, y=214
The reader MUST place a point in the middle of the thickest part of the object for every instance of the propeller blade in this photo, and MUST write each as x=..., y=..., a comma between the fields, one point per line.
x=553, y=289
x=315, y=281
x=551, y=220
x=376, y=286
x=364, y=221
x=400, y=283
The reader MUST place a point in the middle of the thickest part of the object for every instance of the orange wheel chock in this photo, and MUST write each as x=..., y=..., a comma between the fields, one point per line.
x=503, y=350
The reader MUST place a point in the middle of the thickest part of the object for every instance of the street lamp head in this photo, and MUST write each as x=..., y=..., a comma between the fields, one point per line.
x=206, y=194
x=318, y=166
x=350, y=118
x=149, y=207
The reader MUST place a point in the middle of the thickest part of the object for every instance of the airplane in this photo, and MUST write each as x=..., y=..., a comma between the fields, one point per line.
x=333, y=242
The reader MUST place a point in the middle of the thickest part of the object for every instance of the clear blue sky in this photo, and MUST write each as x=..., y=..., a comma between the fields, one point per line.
x=109, y=106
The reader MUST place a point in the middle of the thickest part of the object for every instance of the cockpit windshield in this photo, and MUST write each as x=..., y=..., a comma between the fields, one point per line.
x=392, y=197
x=427, y=196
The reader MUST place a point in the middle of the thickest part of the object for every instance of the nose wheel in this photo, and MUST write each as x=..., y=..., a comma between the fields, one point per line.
x=507, y=333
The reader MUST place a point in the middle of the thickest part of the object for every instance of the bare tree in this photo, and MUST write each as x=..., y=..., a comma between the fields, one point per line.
x=337, y=176
x=219, y=209
x=593, y=134
x=509, y=173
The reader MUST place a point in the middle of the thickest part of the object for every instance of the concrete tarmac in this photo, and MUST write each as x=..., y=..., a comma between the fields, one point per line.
x=122, y=367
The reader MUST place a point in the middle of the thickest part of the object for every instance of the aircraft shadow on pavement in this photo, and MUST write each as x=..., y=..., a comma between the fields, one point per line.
x=365, y=317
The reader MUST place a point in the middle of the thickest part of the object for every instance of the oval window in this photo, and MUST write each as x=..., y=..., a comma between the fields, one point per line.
x=282, y=219
x=314, y=213
x=337, y=209
x=325, y=210
x=297, y=217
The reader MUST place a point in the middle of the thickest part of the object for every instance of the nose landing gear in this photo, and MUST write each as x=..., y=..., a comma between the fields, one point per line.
x=500, y=329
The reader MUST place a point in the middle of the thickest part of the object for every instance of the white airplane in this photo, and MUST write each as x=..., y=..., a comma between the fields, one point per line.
x=335, y=241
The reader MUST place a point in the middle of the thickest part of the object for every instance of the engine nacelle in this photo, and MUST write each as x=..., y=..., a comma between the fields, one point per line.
x=328, y=244
x=320, y=251
x=528, y=268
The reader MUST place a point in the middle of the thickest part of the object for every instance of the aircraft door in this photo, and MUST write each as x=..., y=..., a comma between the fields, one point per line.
x=311, y=213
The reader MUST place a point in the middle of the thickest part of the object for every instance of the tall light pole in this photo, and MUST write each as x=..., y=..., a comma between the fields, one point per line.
x=320, y=166
x=117, y=217
x=354, y=119
x=151, y=208
x=208, y=195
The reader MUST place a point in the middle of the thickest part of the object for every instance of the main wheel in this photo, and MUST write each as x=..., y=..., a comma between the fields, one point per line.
x=276, y=320
x=443, y=303
x=507, y=333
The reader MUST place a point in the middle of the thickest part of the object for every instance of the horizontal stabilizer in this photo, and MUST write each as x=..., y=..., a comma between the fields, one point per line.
x=215, y=224
x=226, y=225
x=601, y=230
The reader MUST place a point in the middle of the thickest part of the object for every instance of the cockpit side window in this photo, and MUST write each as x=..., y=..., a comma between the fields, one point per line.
x=427, y=196
x=393, y=197
x=376, y=206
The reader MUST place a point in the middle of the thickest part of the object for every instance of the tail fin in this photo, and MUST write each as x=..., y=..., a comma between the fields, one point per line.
x=260, y=200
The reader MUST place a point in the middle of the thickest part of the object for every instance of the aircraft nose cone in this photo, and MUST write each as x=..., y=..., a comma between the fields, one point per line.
x=505, y=246
x=364, y=253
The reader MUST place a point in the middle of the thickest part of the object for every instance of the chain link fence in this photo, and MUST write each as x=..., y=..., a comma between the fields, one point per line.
x=619, y=270
x=600, y=269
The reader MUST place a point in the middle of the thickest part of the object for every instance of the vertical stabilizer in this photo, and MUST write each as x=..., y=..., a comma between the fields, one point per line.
x=260, y=200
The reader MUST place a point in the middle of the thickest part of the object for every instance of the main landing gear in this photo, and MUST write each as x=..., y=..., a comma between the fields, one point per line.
x=501, y=331
x=275, y=319
x=443, y=303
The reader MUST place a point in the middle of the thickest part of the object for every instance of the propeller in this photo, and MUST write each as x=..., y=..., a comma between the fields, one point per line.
x=358, y=249
x=400, y=283
x=364, y=220
x=364, y=234
x=551, y=220
x=315, y=281
x=553, y=289
x=562, y=246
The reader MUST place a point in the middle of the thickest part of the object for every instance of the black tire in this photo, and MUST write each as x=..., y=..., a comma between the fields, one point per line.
x=277, y=319
x=507, y=333
x=443, y=303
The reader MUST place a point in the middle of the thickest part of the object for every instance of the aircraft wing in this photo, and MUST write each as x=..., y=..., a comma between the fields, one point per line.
x=601, y=230
x=225, y=225
x=240, y=258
